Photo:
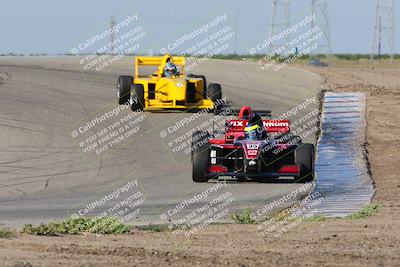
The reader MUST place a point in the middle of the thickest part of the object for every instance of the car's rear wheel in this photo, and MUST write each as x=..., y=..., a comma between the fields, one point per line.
x=304, y=157
x=137, y=97
x=214, y=91
x=124, y=89
x=200, y=156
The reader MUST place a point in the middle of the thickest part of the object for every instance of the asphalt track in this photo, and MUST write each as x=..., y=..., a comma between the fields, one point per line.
x=45, y=175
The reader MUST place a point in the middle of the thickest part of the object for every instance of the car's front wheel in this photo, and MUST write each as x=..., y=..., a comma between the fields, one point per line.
x=200, y=156
x=124, y=89
x=137, y=97
x=304, y=157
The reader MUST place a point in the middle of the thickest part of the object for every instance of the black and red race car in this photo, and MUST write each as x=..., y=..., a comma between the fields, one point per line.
x=273, y=153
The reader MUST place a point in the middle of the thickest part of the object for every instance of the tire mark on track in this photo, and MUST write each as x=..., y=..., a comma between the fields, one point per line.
x=50, y=133
x=22, y=128
x=30, y=158
x=42, y=176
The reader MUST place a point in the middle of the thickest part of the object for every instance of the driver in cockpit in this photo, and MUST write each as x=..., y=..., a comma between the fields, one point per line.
x=170, y=68
x=255, y=129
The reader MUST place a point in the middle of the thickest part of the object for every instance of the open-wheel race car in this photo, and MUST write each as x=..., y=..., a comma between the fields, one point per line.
x=168, y=87
x=252, y=149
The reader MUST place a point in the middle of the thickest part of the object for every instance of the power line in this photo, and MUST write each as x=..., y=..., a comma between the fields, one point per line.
x=384, y=27
x=319, y=10
x=112, y=36
x=280, y=21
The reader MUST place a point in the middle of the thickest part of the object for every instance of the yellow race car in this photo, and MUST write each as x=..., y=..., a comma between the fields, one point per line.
x=168, y=87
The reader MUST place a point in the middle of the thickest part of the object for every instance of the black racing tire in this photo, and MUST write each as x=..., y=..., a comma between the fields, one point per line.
x=198, y=138
x=124, y=88
x=215, y=93
x=137, y=97
x=200, y=156
x=304, y=157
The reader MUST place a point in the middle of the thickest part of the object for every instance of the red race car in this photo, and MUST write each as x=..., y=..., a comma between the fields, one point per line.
x=252, y=148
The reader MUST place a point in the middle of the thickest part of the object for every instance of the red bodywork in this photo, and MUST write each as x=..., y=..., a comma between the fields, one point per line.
x=234, y=148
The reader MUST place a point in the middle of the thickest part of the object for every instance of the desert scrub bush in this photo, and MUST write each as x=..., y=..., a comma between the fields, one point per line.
x=161, y=227
x=369, y=210
x=5, y=233
x=104, y=225
x=244, y=217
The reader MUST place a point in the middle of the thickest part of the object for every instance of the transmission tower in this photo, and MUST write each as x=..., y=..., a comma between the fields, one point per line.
x=280, y=21
x=319, y=9
x=112, y=35
x=384, y=28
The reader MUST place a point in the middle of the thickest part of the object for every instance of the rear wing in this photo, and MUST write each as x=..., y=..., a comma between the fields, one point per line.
x=230, y=125
x=235, y=112
x=157, y=61
x=261, y=112
x=270, y=125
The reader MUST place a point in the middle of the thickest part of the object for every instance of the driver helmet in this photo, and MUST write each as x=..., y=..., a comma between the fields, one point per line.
x=170, y=68
x=255, y=128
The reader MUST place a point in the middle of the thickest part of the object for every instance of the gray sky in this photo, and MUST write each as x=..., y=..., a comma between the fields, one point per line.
x=58, y=26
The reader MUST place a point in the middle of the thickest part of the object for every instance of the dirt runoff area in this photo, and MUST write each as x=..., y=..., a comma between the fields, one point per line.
x=371, y=241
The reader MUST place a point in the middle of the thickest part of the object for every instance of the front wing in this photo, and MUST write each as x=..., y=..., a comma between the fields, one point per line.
x=229, y=160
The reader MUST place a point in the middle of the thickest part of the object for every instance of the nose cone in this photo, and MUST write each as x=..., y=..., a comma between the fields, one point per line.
x=177, y=89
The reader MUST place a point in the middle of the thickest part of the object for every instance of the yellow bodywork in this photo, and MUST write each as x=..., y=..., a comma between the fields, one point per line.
x=162, y=92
